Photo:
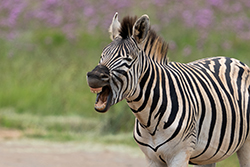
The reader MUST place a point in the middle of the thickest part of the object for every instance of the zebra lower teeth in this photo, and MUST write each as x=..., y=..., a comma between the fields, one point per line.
x=101, y=107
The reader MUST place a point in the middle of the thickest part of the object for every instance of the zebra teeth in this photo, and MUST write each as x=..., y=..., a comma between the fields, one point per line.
x=101, y=107
x=96, y=90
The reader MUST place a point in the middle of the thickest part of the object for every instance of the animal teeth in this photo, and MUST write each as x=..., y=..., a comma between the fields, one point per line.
x=101, y=107
x=95, y=90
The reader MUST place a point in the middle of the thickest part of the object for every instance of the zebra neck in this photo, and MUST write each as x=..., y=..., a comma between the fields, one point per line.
x=149, y=101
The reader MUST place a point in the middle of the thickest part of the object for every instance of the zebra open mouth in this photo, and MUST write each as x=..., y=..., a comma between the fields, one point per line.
x=103, y=98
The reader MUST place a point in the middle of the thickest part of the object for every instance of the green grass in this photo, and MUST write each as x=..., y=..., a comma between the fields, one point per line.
x=45, y=79
x=72, y=128
x=231, y=161
x=62, y=128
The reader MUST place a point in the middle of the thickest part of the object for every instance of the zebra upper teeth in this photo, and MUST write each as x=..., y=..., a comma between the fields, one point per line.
x=96, y=90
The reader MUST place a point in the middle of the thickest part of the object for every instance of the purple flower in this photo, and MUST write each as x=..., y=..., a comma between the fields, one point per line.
x=88, y=11
x=13, y=12
x=159, y=2
x=204, y=17
x=246, y=3
x=51, y=2
x=236, y=7
x=238, y=23
x=227, y=45
x=188, y=18
x=124, y=4
x=172, y=45
x=187, y=51
x=76, y=16
x=216, y=3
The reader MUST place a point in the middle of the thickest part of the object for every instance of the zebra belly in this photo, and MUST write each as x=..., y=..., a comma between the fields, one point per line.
x=215, y=148
x=211, y=155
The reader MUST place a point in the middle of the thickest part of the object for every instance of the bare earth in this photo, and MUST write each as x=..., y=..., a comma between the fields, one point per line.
x=16, y=152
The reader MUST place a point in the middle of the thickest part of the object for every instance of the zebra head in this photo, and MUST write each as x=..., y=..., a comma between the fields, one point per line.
x=117, y=74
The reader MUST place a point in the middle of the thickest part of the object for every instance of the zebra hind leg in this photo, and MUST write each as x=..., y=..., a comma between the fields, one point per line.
x=209, y=165
x=244, y=154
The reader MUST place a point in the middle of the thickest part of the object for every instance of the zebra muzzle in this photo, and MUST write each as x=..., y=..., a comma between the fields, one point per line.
x=98, y=81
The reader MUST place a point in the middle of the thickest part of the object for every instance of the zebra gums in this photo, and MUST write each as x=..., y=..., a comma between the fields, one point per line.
x=195, y=113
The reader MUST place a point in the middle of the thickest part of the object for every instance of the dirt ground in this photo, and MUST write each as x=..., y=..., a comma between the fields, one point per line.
x=18, y=152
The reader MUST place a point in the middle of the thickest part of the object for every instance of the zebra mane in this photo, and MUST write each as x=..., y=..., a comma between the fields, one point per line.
x=154, y=46
x=127, y=26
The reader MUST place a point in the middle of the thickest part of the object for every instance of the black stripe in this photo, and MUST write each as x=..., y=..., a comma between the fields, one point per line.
x=233, y=116
x=248, y=112
x=147, y=92
x=142, y=84
x=137, y=128
x=155, y=97
x=238, y=82
x=162, y=159
x=144, y=144
x=227, y=75
x=174, y=100
x=163, y=107
x=224, y=113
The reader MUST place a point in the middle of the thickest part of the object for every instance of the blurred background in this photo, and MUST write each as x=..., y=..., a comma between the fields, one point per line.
x=47, y=47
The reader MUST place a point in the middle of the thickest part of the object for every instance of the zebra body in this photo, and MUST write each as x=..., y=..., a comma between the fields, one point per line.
x=195, y=113
x=202, y=92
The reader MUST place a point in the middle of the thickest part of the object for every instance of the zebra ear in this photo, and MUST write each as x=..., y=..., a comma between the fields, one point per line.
x=114, y=27
x=141, y=28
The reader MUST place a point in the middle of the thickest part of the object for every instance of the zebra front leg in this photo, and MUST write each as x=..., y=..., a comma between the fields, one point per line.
x=180, y=160
x=209, y=165
x=158, y=164
x=173, y=163
x=244, y=154
x=152, y=163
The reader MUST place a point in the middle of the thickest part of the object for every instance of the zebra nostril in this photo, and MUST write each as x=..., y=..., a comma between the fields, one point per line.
x=88, y=74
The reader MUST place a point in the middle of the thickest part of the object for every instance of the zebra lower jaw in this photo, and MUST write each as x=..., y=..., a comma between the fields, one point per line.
x=103, y=98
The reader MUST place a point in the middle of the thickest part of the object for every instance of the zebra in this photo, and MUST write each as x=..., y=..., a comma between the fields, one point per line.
x=195, y=113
